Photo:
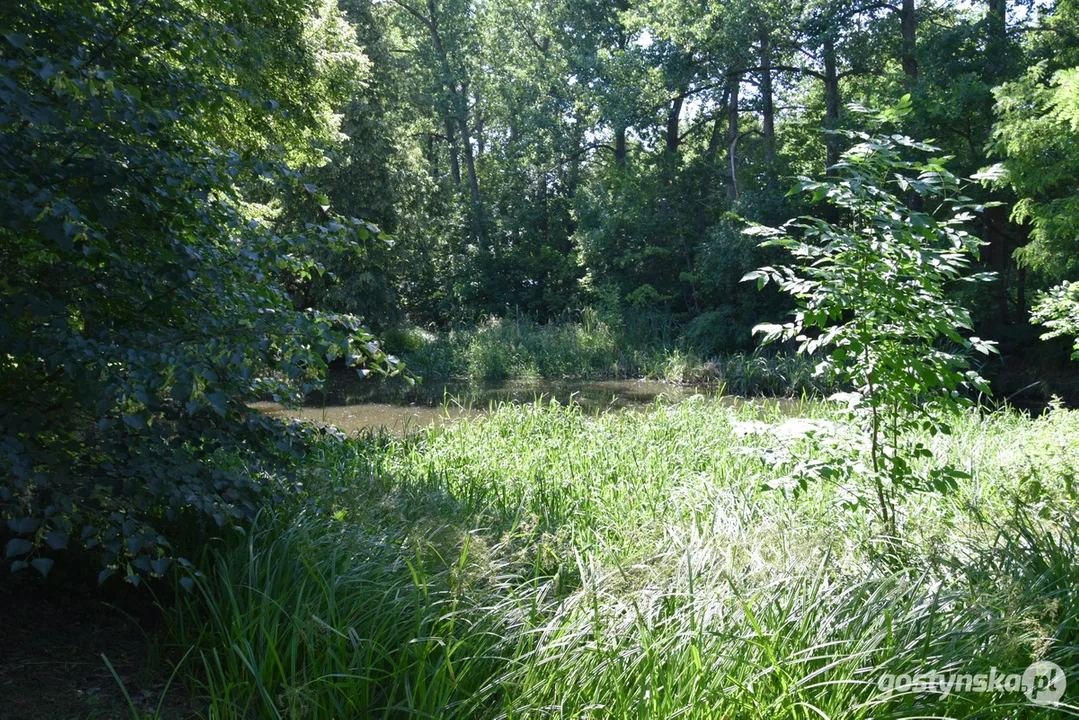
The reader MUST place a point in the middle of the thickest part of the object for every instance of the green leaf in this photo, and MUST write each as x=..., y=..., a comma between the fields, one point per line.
x=17, y=546
x=56, y=539
x=24, y=525
x=136, y=421
x=218, y=401
x=42, y=565
x=991, y=174
x=804, y=185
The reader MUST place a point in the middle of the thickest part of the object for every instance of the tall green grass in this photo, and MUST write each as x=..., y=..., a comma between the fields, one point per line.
x=518, y=347
x=587, y=346
x=540, y=563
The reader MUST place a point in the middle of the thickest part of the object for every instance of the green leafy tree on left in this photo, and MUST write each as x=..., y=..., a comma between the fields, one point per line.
x=143, y=144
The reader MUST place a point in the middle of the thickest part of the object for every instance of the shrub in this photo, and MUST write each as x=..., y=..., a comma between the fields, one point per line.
x=871, y=293
x=143, y=294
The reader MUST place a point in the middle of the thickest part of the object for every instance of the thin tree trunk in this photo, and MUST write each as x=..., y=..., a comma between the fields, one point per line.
x=831, y=106
x=674, y=116
x=473, y=178
x=732, y=139
x=620, y=151
x=708, y=191
x=669, y=161
x=575, y=161
x=712, y=151
x=908, y=22
x=480, y=137
x=458, y=100
x=455, y=160
x=767, y=103
x=432, y=156
x=997, y=40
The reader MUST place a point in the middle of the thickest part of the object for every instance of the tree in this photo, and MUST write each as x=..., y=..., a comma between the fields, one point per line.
x=1058, y=311
x=449, y=27
x=1035, y=135
x=872, y=294
x=143, y=146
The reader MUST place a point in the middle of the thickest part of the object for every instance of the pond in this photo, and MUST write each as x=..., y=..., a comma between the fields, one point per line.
x=353, y=404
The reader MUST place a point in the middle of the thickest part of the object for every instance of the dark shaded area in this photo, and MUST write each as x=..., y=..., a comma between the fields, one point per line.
x=1028, y=373
x=55, y=632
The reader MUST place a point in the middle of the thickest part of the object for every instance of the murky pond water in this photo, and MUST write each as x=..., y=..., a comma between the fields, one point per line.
x=354, y=405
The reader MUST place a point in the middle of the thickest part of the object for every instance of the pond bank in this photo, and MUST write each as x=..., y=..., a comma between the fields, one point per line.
x=356, y=405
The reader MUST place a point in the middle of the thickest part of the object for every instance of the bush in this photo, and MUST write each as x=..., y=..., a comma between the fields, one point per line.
x=143, y=294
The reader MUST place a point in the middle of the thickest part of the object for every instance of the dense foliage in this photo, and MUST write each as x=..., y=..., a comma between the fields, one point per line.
x=536, y=156
x=170, y=172
x=142, y=145
x=536, y=159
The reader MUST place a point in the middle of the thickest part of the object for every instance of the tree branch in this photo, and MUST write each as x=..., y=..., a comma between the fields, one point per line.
x=414, y=13
x=96, y=54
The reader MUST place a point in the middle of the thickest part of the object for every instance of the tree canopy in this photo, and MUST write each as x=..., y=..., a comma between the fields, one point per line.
x=541, y=155
x=146, y=148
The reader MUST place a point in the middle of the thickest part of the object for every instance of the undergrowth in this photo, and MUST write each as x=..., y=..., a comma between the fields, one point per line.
x=504, y=348
x=540, y=563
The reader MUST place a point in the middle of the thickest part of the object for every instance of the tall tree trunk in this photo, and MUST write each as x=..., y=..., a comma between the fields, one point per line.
x=831, y=106
x=457, y=93
x=674, y=116
x=432, y=156
x=543, y=191
x=708, y=191
x=481, y=138
x=732, y=138
x=768, y=124
x=620, y=152
x=470, y=165
x=712, y=150
x=575, y=159
x=997, y=38
x=455, y=160
x=578, y=139
x=908, y=23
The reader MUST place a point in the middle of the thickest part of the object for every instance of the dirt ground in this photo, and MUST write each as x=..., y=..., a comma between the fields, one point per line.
x=52, y=637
